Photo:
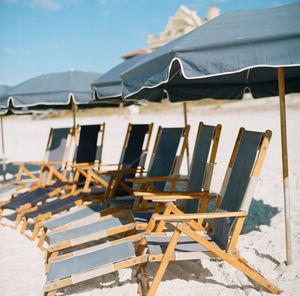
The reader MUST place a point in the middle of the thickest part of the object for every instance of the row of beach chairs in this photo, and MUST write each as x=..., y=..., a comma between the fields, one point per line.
x=93, y=218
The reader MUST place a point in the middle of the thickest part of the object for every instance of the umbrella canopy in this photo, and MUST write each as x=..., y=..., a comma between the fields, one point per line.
x=234, y=52
x=109, y=85
x=256, y=50
x=4, y=89
x=51, y=89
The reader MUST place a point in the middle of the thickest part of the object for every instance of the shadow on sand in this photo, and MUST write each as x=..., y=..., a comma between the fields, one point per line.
x=259, y=214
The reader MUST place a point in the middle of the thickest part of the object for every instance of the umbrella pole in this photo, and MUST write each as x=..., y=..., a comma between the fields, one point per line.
x=187, y=146
x=3, y=150
x=74, y=116
x=285, y=172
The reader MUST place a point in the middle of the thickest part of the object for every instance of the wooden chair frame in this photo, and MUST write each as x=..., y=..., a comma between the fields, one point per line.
x=92, y=175
x=132, y=225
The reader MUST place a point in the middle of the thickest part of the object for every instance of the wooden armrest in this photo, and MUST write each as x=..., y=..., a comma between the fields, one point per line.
x=171, y=196
x=154, y=179
x=39, y=163
x=183, y=217
x=173, y=193
x=118, y=172
x=51, y=163
x=85, y=165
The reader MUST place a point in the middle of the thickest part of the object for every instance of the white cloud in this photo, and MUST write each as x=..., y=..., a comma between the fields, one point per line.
x=46, y=4
x=53, y=5
x=11, y=50
x=10, y=1
x=112, y=2
x=53, y=45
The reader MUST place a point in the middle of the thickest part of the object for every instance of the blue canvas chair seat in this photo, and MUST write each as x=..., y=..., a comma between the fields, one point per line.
x=31, y=198
x=67, y=218
x=97, y=229
x=54, y=207
x=158, y=245
x=103, y=257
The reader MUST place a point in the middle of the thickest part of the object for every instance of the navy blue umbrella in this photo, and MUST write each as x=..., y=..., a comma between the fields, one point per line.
x=109, y=87
x=233, y=53
x=54, y=90
x=256, y=51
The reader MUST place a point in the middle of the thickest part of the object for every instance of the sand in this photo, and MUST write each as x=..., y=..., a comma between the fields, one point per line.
x=21, y=262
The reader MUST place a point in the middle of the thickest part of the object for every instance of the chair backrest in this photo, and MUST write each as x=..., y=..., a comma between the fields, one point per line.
x=135, y=149
x=90, y=144
x=240, y=179
x=164, y=160
x=57, y=142
x=203, y=160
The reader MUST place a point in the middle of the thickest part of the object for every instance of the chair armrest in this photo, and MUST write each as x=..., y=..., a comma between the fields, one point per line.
x=188, y=217
x=140, y=180
x=110, y=164
x=85, y=165
x=40, y=163
x=177, y=195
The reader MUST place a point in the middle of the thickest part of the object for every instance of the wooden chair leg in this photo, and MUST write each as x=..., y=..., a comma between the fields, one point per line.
x=18, y=220
x=24, y=226
x=51, y=293
x=143, y=282
x=164, y=262
x=36, y=229
x=162, y=223
x=236, y=261
x=42, y=238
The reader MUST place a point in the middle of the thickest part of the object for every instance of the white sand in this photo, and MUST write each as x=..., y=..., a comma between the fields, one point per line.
x=21, y=262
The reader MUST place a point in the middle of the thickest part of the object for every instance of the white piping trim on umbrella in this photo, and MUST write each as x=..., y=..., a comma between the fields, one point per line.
x=104, y=97
x=202, y=77
x=71, y=97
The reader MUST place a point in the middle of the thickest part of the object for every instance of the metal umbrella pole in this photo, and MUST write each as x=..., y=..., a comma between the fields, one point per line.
x=285, y=170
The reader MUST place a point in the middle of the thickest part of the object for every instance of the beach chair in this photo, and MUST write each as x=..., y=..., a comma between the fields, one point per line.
x=132, y=159
x=184, y=242
x=88, y=150
x=198, y=184
x=202, y=166
x=166, y=159
x=27, y=173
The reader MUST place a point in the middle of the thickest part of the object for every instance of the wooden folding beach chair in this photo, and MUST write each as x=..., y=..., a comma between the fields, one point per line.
x=87, y=151
x=110, y=179
x=169, y=140
x=185, y=242
x=198, y=184
x=28, y=173
x=132, y=160
x=199, y=180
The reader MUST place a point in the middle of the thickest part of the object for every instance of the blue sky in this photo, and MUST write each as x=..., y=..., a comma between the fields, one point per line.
x=42, y=36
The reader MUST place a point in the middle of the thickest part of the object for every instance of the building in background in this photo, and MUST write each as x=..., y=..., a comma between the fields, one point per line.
x=184, y=21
